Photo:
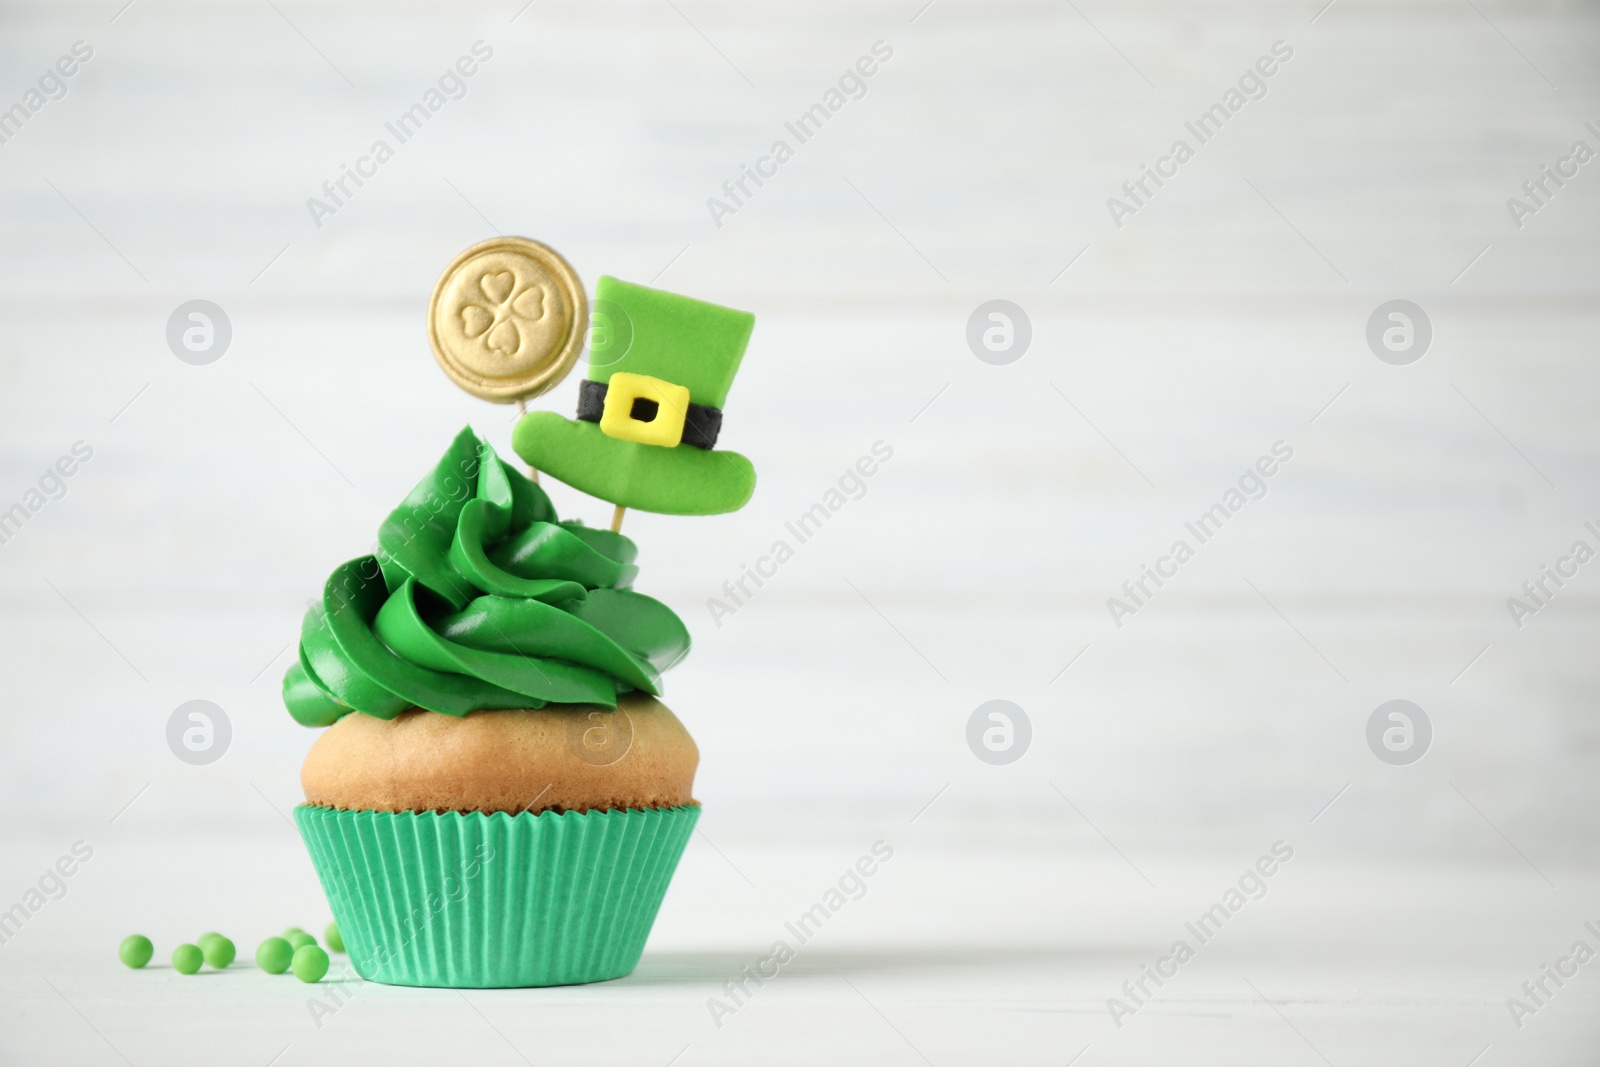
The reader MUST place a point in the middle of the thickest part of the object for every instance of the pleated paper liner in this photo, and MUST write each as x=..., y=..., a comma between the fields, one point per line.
x=470, y=901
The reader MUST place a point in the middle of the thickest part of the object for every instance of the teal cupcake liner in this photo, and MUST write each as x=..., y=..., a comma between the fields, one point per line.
x=465, y=900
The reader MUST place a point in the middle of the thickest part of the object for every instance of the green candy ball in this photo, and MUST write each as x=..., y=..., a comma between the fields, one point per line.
x=274, y=955
x=136, y=950
x=299, y=939
x=218, y=951
x=334, y=939
x=310, y=963
x=291, y=930
x=186, y=959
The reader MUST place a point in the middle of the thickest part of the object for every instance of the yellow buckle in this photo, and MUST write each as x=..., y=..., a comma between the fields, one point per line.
x=644, y=409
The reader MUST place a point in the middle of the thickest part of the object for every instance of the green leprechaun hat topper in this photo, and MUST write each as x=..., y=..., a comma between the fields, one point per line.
x=650, y=411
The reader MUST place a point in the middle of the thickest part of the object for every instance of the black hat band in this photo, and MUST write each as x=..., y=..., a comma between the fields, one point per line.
x=701, y=423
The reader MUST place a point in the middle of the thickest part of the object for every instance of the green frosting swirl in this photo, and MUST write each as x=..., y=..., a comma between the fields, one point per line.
x=479, y=598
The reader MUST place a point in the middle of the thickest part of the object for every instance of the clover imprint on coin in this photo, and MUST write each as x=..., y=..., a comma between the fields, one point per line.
x=507, y=319
x=510, y=319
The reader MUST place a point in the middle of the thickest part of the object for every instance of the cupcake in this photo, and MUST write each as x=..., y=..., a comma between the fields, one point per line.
x=498, y=798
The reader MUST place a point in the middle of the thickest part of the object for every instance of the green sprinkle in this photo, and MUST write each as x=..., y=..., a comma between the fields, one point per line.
x=299, y=939
x=274, y=954
x=186, y=959
x=334, y=939
x=310, y=963
x=218, y=950
x=136, y=950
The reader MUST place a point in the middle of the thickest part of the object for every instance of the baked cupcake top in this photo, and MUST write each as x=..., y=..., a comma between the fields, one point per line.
x=479, y=597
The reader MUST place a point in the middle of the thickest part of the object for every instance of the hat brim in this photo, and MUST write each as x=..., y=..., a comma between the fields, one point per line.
x=684, y=480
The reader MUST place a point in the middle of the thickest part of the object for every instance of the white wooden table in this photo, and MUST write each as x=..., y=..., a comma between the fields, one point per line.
x=1228, y=314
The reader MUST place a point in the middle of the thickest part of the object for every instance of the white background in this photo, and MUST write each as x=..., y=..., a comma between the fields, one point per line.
x=1228, y=314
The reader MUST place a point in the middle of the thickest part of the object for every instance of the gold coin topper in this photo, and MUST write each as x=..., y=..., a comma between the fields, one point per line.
x=507, y=319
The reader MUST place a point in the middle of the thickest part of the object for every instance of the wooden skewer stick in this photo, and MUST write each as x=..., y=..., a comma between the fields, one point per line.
x=522, y=409
x=616, y=519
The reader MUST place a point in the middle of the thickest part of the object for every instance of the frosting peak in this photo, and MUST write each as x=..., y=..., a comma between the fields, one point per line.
x=480, y=598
